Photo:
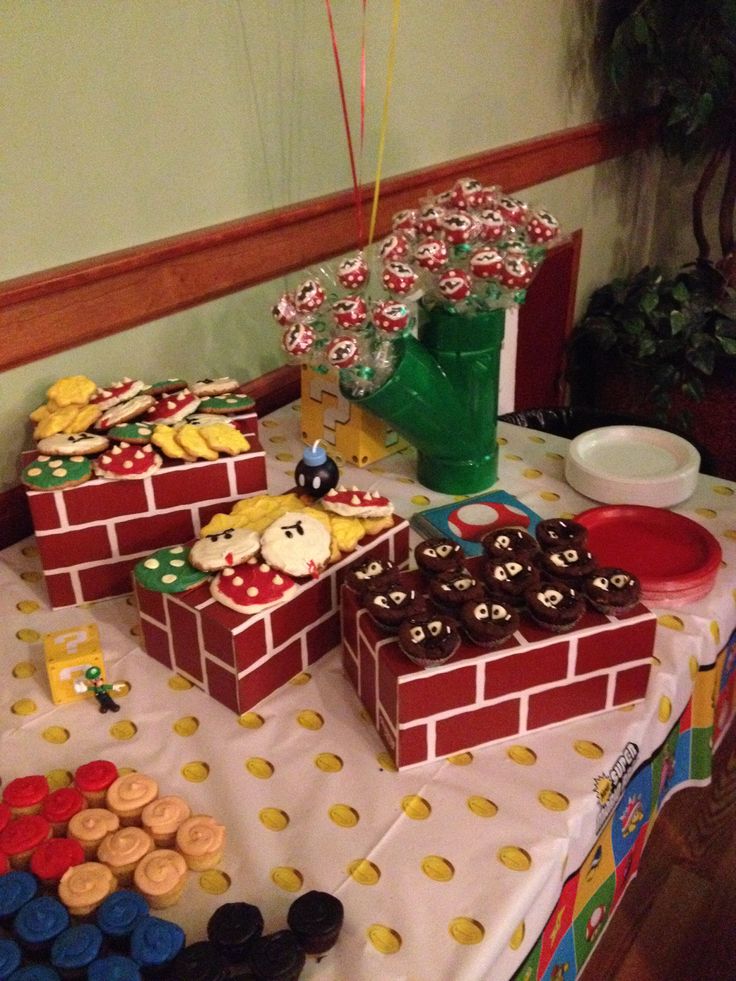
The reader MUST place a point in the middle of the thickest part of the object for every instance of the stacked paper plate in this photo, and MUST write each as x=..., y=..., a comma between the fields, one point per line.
x=632, y=465
x=675, y=558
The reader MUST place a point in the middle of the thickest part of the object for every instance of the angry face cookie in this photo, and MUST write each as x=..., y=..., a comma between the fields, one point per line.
x=226, y=548
x=296, y=543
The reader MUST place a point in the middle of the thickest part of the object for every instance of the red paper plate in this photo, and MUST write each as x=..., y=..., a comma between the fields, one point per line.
x=671, y=554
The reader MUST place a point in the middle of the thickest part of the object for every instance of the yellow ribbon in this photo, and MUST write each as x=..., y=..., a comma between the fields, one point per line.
x=384, y=117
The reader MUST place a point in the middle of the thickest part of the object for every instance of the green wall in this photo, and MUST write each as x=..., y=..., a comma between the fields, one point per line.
x=131, y=120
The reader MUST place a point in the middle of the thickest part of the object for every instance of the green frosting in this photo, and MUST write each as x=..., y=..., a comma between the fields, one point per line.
x=168, y=571
x=226, y=403
x=132, y=432
x=53, y=473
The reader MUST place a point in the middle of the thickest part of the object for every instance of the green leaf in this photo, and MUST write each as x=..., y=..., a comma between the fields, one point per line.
x=680, y=292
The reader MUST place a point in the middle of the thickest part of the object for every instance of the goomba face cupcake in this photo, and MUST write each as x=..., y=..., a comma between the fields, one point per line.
x=373, y=572
x=612, y=591
x=510, y=578
x=509, y=541
x=556, y=606
x=570, y=564
x=489, y=622
x=559, y=533
x=428, y=639
x=449, y=590
x=390, y=607
x=436, y=555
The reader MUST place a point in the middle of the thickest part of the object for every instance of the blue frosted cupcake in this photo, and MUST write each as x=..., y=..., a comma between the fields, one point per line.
x=116, y=967
x=16, y=889
x=200, y=961
x=35, y=972
x=74, y=950
x=11, y=957
x=117, y=915
x=38, y=924
x=154, y=943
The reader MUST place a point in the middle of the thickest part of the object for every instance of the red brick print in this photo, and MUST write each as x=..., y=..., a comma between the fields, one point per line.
x=606, y=649
x=156, y=643
x=443, y=690
x=305, y=608
x=218, y=641
x=282, y=667
x=150, y=602
x=101, y=500
x=391, y=664
x=631, y=684
x=106, y=579
x=44, y=511
x=60, y=588
x=195, y=598
x=323, y=637
x=185, y=640
x=183, y=486
x=348, y=616
x=367, y=675
x=525, y=668
x=564, y=702
x=154, y=531
x=221, y=685
x=467, y=729
x=205, y=514
x=250, y=645
x=412, y=746
x=67, y=548
x=250, y=475
x=400, y=546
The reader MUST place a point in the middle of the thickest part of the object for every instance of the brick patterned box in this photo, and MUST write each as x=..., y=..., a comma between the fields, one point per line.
x=240, y=659
x=356, y=434
x=533, y=681
x=89, y=537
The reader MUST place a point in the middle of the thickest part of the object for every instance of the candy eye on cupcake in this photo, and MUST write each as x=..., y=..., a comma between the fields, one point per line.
x=489, y=622
x=437, y=554
x=428, y=639
x=389, y=608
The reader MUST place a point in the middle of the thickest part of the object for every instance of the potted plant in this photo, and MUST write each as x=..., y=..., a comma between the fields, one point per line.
x=658, y=342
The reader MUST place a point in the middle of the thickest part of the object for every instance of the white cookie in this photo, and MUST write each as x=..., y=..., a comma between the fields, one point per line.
x=73, y=444
x=229, y=547
x=296, y=543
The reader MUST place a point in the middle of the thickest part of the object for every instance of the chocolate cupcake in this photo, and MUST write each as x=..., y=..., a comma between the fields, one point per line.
x=449, y=590
x=389, y=607
x=570, y=564
x=489, y=622
x=510, y=578
x=233, y=927
x=611, y=590
x=316, y=920
x=428, y=639
x=372, y=572
x=509, y=541
x=200, y=961
x=556, y=606
x=554, y=534
x=437, y=555
x=277, y=957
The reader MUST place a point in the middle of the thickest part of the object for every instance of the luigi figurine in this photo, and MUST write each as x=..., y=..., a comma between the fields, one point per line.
x=93, y=683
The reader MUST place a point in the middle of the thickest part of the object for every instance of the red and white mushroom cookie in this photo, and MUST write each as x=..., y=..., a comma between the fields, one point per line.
x=229, y=547
x=121, y=391
x=173, y=408
x=297, y=543
x=251, y=587
x=127, y=462
x=356, y=503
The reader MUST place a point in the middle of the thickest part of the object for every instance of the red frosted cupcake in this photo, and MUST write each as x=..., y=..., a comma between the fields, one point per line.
x=21, y=836
x=60, y=806
x=53, y=857
x=92, y=779
x=24, y=795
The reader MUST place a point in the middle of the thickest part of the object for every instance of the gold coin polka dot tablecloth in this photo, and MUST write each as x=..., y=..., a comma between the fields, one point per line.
x=504, y=862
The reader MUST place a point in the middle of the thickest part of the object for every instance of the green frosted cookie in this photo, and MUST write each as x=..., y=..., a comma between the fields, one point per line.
x=168, y=571
x=131, y=432
x=226, y=403
x=48, y=473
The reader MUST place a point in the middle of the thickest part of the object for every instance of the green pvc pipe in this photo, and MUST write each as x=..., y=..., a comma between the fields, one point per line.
x=443, y=399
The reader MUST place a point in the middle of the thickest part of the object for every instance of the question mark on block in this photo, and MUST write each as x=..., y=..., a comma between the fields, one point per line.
x=76, y=637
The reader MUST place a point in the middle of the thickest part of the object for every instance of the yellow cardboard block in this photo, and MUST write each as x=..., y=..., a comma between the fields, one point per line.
x=68, y=654
x=357, y=435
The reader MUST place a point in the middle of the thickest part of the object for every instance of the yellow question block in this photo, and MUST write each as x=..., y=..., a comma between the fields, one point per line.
x=354, y=433
x=68, y=654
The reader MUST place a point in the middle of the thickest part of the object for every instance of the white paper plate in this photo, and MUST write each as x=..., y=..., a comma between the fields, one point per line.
x=632, y=465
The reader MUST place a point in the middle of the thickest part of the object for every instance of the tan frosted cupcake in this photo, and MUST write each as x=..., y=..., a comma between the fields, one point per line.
x=90, y=826
x=122, y=850
x=83, y=887
x=161, y=819
x=160, y=877
x=129, y=794
x=201, y=841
